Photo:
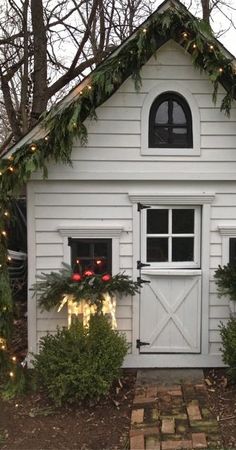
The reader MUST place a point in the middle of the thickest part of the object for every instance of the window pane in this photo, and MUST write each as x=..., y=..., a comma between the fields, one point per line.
x=179, y=136
x=100, y=249
x=178, y=114
x=83, y=248
x=157, y=249
x=182, y=249
x=157, y=221
x=182, y=221
x=161, y=135
x=162, y=114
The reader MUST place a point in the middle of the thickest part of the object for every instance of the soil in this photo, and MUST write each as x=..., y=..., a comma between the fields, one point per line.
x=32, y=423
x=222, y=402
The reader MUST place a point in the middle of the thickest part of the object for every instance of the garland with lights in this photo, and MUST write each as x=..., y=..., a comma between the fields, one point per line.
x=63, y=124
x=53, y=288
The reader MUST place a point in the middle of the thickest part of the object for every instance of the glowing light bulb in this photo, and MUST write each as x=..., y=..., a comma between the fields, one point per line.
x=33, y=147
x=6, y=213
x=11, y=374
x=13, y=358
x=144, y=30
x=89, y=87
x=221, y=69
x=4, y=233
x=194, y=45
x=8, y=258
x=11, y=168
x=46, y=138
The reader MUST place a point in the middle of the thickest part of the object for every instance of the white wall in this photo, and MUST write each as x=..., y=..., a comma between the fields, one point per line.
x=112, y=166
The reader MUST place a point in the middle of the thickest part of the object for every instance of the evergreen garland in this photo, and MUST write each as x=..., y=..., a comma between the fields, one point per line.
x=52, y=288
x=63, y=124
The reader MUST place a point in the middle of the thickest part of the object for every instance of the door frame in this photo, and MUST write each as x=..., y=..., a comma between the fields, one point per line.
x=204, y=200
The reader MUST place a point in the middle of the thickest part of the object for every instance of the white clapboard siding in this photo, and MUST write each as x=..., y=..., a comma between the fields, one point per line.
x=80, y=196
x=54, y=224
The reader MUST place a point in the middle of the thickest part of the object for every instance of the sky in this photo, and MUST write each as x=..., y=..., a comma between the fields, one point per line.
x=219, y=21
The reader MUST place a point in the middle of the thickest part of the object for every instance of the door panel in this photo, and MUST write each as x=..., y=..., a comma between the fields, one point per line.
x=170, y=312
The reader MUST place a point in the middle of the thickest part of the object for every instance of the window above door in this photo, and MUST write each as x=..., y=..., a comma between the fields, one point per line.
x=170, y=122
x=171, y=236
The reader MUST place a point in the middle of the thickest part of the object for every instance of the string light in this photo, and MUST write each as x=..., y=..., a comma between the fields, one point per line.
x=10, y=158
x=8, y=258
x=13, y=358
x=6, y=213
x=211, y=47
x=89, y=87
x=4, y=233
x=11, y=168
x=194, y=45
x=74, y=124
x=11, y=374
x=144, y=30
x=33, y=147
x=81, y=92
x=221, y=69
x=46, y=138
x=185, y=35
x=3, y=347
x=0, y=174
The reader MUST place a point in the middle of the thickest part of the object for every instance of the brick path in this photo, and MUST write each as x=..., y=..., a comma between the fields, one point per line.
x=172, y=417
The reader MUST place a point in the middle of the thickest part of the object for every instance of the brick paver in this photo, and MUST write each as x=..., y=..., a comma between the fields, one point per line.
x=199, y=440
x=168, y=426
x=172, y=418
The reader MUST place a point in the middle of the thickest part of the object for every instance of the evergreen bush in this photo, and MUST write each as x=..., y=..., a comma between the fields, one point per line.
x=80, y=363
x=228, y=335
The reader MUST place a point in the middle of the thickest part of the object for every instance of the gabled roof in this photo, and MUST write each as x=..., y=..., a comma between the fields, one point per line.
x=53, y=136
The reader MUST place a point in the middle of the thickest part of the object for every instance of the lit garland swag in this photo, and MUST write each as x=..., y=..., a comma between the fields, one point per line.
x=63, y=125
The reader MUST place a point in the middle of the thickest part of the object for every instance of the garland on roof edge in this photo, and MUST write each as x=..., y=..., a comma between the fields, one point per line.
x=63, y=125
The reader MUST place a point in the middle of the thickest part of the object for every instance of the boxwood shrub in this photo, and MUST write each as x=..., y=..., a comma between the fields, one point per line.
x=80, y=363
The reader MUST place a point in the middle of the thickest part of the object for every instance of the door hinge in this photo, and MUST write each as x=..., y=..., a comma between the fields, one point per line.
x=140, y=265
x=140, y=343
x=140, y=206
x=141, y=281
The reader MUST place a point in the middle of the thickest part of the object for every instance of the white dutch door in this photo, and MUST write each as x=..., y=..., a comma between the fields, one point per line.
x=170, y=304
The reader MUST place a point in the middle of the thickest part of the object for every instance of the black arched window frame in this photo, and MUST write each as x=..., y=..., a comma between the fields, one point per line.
x=170, y=97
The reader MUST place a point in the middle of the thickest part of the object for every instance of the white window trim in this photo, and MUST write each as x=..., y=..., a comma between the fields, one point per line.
x=196, y=235
x=178, y=88
x=89, y=232
x=227, y=232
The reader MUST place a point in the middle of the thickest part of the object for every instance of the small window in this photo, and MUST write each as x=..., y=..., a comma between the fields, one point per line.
x=170, y=122
x=91, y=254
x=232, y=251
x=172, y=236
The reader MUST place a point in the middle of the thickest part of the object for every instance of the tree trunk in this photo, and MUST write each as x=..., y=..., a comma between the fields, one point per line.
x=206, y=10
x=40, y=61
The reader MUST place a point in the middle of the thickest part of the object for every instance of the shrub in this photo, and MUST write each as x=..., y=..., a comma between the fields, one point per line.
x=79, y=363
x=228, y=335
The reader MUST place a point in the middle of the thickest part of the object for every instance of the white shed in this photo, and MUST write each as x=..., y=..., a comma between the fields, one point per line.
x=154, y=191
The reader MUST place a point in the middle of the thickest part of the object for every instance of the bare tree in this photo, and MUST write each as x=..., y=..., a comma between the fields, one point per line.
x=46, y=45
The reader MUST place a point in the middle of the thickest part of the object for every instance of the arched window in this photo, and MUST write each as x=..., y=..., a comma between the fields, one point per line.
x=170, y=122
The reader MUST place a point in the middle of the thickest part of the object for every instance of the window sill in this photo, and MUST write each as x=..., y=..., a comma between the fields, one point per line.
x=174, y=272
x=155, y=151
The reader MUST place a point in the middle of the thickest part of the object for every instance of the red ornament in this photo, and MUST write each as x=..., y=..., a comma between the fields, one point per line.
x=88, y=273
x=106, y=277
x=76, y=277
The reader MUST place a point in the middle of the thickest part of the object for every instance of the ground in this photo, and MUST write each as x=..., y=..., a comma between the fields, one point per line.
x=31, y=422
